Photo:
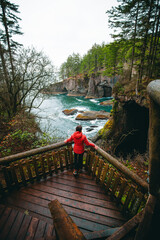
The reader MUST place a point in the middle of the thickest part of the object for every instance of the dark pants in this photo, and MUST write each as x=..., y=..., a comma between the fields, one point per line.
x=78, y=161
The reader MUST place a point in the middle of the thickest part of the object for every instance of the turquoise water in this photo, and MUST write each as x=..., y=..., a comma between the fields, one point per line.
x=54, y=122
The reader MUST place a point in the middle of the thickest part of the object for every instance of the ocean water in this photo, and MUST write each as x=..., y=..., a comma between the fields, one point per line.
x=55, y=123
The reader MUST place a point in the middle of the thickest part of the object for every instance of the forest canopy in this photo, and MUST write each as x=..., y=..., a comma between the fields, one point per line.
x=136, y=45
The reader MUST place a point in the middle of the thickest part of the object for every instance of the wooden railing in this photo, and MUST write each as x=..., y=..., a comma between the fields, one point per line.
x=149, y=227
x=27, y=167
x=127, y=188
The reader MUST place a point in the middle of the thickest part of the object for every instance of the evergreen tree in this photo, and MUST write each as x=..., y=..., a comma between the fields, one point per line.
x=10, y=27
x=93, y=61
x=138, y=22
x=113, y=59
x=9, y=20
x=71, y=67
x=154, y=41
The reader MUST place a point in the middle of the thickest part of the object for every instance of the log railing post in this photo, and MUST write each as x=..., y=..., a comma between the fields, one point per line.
x=149, y=226
x=154, y=138
x=65, y=228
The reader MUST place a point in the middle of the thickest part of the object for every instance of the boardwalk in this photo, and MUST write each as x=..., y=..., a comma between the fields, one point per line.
x=85, y=201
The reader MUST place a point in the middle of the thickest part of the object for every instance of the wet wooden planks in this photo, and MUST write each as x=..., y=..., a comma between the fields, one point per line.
x=18, y=225
x=85, y=201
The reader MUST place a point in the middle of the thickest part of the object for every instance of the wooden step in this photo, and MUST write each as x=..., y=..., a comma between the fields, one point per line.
x=17, y=225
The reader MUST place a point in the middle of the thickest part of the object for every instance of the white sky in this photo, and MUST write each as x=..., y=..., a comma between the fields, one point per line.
x=61, y=27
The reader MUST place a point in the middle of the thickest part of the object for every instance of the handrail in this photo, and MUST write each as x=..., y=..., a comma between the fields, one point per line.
x=153, y=90
x=150, y=216
x=39, y=163
x=15, y=157
x=154, y=138
x=134, y=177
x=131, y=175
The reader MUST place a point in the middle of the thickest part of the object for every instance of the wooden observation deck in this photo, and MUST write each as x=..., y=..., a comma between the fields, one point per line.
x=99, y=200
x=26, y=210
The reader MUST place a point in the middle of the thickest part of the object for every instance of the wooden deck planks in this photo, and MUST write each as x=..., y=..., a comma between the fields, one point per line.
x=74, y=196
x=80, y=191
x=77, y=184
x=85, y=201
x=82, y=220
x=20, y=226
x=4, y=217
x=15, y=227
x=10, y=221
x=40, y=229
x=41, y=199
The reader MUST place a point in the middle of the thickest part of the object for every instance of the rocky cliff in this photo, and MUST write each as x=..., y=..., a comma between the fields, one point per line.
x=127, y=131
x=95, y=86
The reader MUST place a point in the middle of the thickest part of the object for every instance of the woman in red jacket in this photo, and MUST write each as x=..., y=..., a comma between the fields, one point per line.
x=79, y=140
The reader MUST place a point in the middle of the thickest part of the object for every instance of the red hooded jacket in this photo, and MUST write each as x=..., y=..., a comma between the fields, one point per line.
x=79, y=140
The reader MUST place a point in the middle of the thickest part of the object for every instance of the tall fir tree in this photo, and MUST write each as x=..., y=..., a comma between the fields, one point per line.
x=136, y=20
x=9, y=27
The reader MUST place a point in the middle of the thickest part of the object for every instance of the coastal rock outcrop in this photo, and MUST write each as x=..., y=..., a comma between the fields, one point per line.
x=107, y=103
x=99, y=86
x=95, y=86
x=87, y=115
x=128, y=133
x=70, y=111
x=92, y=115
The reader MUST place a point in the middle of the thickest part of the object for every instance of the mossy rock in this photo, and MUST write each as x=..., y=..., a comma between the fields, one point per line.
x=70, y=111
x=83, y=117
x=107, y=103
x=92, y=115
x=106, y=129
x=100, y=116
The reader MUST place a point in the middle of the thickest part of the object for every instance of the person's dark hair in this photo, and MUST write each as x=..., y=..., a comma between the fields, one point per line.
x=79, y=128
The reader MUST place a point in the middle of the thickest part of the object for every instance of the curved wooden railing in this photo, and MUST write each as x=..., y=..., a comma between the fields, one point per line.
x=129, y=190
x=123, y=169
x=151, y=216
x=33, y=152
x=23, y=168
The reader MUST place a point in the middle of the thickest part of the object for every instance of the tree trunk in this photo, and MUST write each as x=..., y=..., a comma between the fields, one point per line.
x=8, y=89
x=7, y=36
x=144, y=47
x=155, y=44
x=134, y=41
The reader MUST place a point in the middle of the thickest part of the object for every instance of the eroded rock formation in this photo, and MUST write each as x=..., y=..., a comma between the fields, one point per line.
x=87, y=115
x=70, y=111
x=90, y=87
x=92, y=115
x=129, y=131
